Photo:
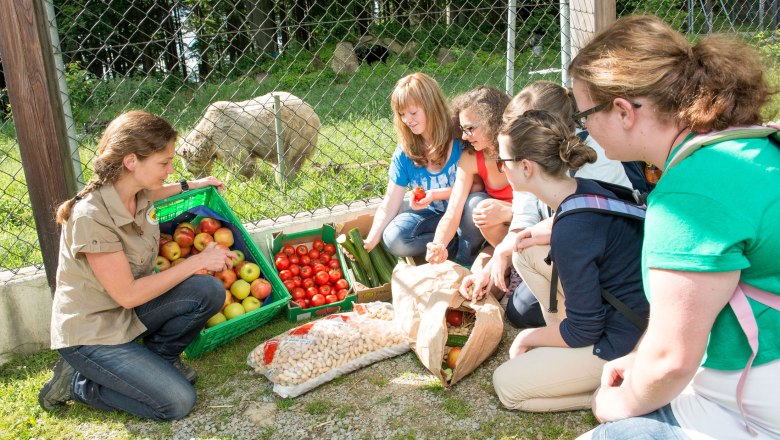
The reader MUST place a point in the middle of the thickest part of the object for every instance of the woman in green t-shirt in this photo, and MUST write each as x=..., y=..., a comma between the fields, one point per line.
x=643, y=89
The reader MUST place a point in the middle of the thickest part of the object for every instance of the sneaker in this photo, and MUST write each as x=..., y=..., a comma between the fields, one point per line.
x=188, y=372
x=57, y=390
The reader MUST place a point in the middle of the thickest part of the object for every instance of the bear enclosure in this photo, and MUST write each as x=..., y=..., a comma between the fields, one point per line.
x=286, y=101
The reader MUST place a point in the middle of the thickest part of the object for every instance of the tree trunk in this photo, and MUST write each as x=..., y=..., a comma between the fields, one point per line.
x=261, y=19
x=204, y=67
x=300, y=16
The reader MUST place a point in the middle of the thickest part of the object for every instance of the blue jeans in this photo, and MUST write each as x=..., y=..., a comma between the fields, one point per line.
x=140, y=379
x=659, y=424
x=408, y=233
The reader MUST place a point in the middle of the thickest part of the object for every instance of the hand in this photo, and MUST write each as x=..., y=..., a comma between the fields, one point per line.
x=423, y=202
x=498, y=267
x=536, y=235
x=370, y=242
x=518, y=346
x=607, y=401
x=435, y=253
x=214, y=259
x=475, y=286
x=615, y=370
x=491, y=212
x=208, y=181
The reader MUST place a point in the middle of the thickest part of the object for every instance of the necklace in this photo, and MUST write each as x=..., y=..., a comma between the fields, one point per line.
x=669, y=152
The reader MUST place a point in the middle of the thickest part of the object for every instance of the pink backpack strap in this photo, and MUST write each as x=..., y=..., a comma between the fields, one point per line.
x=747, y=321
x=701, y=140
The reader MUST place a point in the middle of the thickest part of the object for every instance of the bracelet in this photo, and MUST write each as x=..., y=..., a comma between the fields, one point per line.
x=184, y=185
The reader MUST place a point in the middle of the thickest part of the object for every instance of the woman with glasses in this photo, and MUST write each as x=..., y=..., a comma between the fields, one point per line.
x=478, y=113
x=558, y=367
x=711, y=227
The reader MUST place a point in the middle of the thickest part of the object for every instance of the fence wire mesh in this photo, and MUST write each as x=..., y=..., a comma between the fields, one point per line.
x=212, y=68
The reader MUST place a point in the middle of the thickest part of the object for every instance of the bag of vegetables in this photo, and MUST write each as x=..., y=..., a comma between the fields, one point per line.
x=452, y=336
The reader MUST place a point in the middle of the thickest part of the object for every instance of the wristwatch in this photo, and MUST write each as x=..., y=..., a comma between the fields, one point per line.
x=184, y=185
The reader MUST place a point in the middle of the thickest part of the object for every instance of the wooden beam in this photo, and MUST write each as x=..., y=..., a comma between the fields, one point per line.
x=37, y=112
x=588, y=17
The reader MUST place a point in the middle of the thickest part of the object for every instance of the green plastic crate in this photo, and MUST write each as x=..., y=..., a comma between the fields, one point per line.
x=211, y=338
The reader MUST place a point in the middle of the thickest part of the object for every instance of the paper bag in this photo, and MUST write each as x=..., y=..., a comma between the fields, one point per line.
x=421, y=297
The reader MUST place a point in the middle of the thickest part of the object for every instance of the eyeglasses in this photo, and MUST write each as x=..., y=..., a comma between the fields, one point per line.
x=581, y=118
x=500, y=162
x=469, y=130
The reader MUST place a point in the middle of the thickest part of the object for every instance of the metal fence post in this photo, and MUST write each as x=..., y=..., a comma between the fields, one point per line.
x=565, y=41
x=280, y=171
x=510, y=48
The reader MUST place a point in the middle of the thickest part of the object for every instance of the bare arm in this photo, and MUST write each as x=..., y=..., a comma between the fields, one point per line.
x=683, y=308
x=113, y=272
x=391, y=204
x=549, y=336
x=174, y=188
x=449, y=222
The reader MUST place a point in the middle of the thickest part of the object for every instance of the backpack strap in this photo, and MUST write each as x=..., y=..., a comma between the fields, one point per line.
x=713, y=137
x=747, y=321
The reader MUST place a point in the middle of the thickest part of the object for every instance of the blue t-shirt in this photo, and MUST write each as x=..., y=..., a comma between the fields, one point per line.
x=594, y=250
x=403, y=172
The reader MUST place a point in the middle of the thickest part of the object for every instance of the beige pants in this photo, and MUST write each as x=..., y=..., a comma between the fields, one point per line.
x=549, y=379
x=537, y=274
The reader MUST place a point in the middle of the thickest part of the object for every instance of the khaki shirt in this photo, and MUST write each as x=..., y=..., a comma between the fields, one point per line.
x=83, y=312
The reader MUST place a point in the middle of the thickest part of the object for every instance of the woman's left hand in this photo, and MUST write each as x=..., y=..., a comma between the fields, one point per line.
x=518, y=345
x=423, y=202
x=491, y=212
x=208, y=181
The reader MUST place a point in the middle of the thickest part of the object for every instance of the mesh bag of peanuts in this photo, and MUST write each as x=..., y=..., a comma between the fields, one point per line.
x=314, y=353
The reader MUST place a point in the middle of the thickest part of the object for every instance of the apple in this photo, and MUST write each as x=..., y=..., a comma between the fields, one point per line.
x=202, y=272
x=162, y=263
x=209, y=225
x=260, y=288
x=224, y=236
x=219, y=318
x=165, y=238
x=170, y=250
x=233, y=310
x=249, y=272
x=186, y=251
x=184, y=237
x=239, y=257
x=201, y=240
x=251, y=303
x=237, y=267
x=227, y=277
x=228, y=299
x=185, y=225
x=240, y=289
x=452, y=357
x=221, y=246
x=178, y=261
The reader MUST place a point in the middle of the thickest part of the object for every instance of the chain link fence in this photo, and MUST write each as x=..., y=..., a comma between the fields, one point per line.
x=213, y=68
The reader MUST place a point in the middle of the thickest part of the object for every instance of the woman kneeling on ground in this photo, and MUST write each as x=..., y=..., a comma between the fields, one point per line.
x=558, y=367
x=107, y=295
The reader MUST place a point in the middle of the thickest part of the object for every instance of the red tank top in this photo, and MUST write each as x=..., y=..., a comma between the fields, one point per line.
x=503, y=194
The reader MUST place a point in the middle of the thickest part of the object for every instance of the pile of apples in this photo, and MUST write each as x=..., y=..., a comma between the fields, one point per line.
x=245, y=289
x=313, y=276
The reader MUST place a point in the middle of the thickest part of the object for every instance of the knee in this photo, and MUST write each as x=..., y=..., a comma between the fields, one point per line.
x=502, y=380
x=395, y=238
x=212, y=292
x=179, y=401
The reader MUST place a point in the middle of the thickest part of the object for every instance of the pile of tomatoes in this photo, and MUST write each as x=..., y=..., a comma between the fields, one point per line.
x=313, y=276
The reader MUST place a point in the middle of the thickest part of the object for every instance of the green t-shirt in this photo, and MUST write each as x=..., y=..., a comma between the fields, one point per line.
x=718, y=211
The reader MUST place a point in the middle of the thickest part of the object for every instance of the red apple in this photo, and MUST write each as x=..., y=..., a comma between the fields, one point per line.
x=209, y=225
x=227, y=277
x=184, y=237
x=170, y=250
x=452, y=357
x=162, y=263
x=224, y=236
x=229, y=299
x=165, y=238
x=186, y=225
x=185, y=251
x=201, y=240
x=260, y=288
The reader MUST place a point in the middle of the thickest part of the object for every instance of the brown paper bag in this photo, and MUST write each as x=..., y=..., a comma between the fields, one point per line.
x=421, y=297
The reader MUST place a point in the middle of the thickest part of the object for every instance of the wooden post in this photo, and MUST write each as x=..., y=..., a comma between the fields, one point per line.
x=588, y=17
x=38, y=116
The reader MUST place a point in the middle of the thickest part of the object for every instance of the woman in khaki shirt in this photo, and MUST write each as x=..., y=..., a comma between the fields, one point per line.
x=108, y=296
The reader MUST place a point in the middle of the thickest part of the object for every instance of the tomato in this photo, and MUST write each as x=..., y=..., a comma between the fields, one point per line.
x=321, y=278
x=298, y=293
x=341, y=284
x=289, y=285
x=455, y=318
x=308, y=302
x=306, y=271
x=282, y=262
x=301, y=303
x=305, y=260
x=319, y=267
x=301, y=250
x=311, y=291
x=335, y=275
x=334, y=264
x=314, y=253
x=329, y=249
x=295, y=269
x=297, y=280
x=326, y=290
x=294, y=259
x=341, y=294
x=307, y=282
x=288, y=250
x=331, y=298
x=285, y=274
x=317, y=300
x=418, y=192
x=318, y=245
x=279, y=254
x=315, y=261
x=325, y=258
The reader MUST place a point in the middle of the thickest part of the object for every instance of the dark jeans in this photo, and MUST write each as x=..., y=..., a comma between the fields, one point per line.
x=140, y=379
x=523, y=310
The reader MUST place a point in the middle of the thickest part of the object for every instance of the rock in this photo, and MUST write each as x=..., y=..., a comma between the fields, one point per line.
x=392, y=45
x=344, y=61
x=261, y=414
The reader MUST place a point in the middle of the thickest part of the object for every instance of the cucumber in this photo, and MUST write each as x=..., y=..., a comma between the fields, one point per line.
x=456, y=340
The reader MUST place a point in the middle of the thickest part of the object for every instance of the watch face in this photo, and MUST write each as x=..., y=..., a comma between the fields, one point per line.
x=184, y=185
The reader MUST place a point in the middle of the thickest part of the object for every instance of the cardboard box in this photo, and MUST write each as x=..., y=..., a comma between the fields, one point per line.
x=365, y=294
x=326, y=233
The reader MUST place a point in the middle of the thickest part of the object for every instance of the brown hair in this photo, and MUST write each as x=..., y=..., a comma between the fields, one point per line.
x=488, y=103
x=135, y=132
x=423, y=91
x=543, y=95
x=716, y=83
x=543, y=137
